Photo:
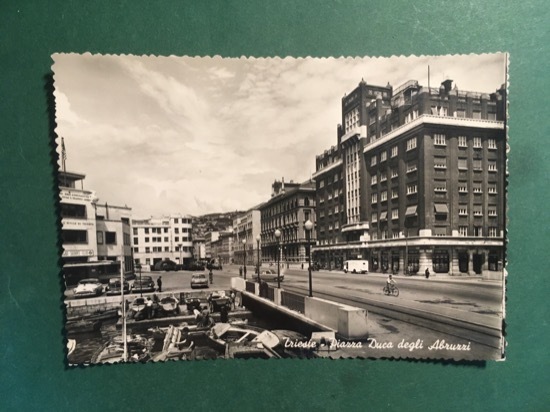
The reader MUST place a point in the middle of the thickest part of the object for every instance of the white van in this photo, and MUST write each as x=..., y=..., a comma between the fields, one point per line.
x=356, y=266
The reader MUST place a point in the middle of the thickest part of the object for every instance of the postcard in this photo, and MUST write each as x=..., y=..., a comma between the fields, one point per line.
x=243, y=208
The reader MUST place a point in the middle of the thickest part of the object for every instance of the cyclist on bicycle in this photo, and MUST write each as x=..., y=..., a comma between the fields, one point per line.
x=390, y=283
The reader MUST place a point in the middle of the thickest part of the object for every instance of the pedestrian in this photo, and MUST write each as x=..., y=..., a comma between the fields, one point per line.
x=302, y=265
x=240, y=271
x=427, y=273
x=149, y=307
x=159, y=283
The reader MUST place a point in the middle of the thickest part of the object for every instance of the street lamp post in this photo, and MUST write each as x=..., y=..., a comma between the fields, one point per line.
x=140, y=284
x=181, y=261
x=244, y=258
x=308, y=226
x=258, y=243
x=278, y=237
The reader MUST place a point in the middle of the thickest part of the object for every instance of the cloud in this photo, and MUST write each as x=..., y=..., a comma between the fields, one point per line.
x=200, y=135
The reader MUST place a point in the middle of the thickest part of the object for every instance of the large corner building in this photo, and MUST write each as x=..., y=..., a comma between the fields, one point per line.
x=416, y=181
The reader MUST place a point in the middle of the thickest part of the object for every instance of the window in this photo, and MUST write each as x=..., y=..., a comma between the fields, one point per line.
x=383, y=156
x=477, y=142
x=165, y=230
x=147, y=230
x=460, y=113
x=373, y=161
x=146, y=240
x=440, y=162
x=476, y=114
x=411, y=167
x=73, y=211
x=462, y=187
x=395, y=214
x=477, y=211
x=384, y=196
x=147, y=250
x=394, y=173
x=411, y=144
x=335, y=178
x=478, y=231
x=136, y=241
x=462, y=141
x=462, y=211
x=492, y=190
x=176, y=230
x=492, y=212
x=411, y=189
x=463, y=230
x=440, y=186
x=374, y=198
x=439, y=140
x=491, y=116
x=394, y=194
x=166, y=238
x=167, y=249
x=394, y=151
x=492, y=167
x=99, y=237
x=136, y=250
x=135, y=231
x=374, y=217
x=492, y=231
x=491, y=144
x=477, y=164
x=110, y=238
x=374, y=180
x=176, y=220
x=383, y=176
x=462, y=164
x=321, y=184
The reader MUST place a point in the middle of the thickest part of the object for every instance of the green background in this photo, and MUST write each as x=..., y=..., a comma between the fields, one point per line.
x=33, y=373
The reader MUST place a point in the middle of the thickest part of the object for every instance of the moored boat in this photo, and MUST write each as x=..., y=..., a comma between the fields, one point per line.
x=82, y=326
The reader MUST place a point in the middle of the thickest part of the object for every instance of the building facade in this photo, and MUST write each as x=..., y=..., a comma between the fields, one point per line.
x=434, y=180
x=95, y=237
x=291, y=205
x=246, y=229
x=162, y=238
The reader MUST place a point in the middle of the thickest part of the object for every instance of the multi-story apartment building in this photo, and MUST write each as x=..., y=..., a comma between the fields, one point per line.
x=162, y=238
x=246, y=229
x=222, y=248
x=95, y=237
x=291, y=205
x=434, y=192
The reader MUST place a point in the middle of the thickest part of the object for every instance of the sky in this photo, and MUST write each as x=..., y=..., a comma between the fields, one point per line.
x=198, y=135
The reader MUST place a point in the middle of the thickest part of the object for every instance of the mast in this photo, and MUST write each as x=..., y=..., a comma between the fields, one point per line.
x=123, y=303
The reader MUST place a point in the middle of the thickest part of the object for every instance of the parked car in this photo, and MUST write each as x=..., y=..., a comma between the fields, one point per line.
x=199, y=280
x=143, y=284
x=88, y=287
x=269, y=274
x=113, y=287
x=166, y=265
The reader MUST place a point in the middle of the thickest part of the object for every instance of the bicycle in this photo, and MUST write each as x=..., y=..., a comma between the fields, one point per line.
x=393, y=290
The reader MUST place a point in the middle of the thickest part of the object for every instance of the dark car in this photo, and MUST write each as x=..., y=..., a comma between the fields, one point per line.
x=166, y=265
x=113, y=287
x=143, y=284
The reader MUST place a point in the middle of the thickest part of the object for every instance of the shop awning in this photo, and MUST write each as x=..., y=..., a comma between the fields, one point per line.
x=411, y=210
x=384, y=216
x=441, y=209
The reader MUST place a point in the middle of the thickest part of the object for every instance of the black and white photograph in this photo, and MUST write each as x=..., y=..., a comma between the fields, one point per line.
x=219, y=208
